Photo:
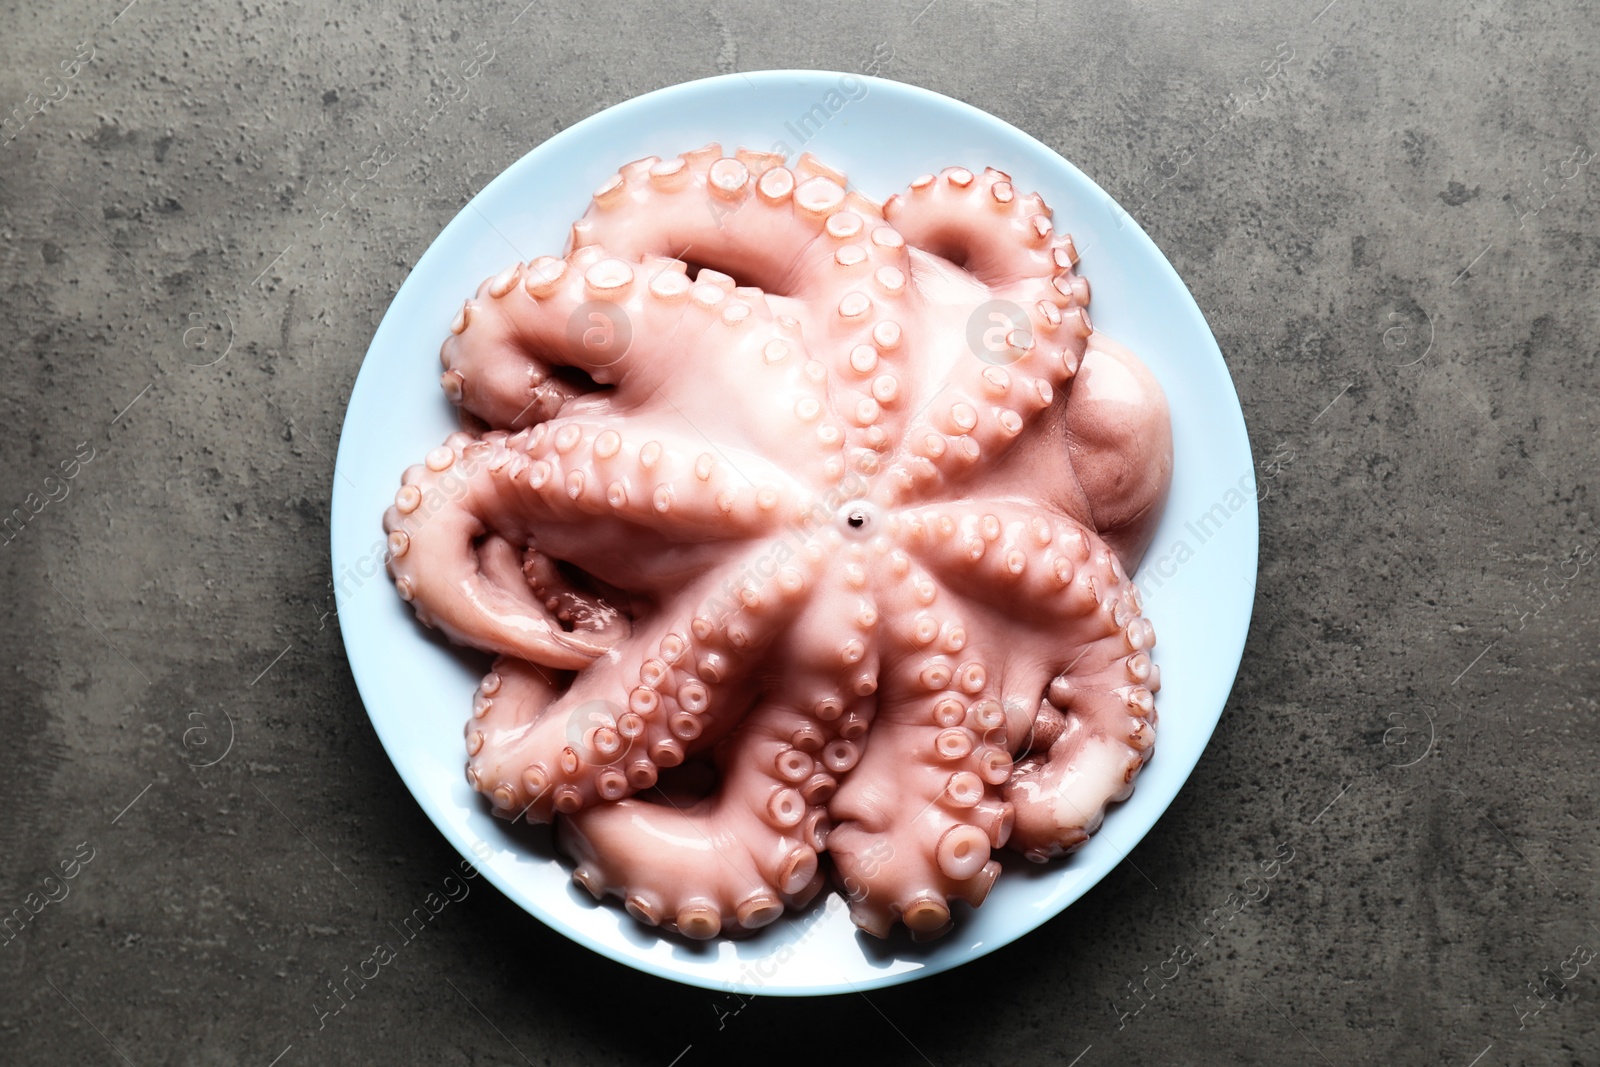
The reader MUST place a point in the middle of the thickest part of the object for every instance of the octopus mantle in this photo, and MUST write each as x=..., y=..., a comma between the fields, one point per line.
x=801, y=526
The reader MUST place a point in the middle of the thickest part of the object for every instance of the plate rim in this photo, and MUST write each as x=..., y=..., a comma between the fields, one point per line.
x=1233, y=422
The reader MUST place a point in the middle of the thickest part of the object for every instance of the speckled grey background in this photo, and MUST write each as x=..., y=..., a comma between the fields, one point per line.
x=1386, y=212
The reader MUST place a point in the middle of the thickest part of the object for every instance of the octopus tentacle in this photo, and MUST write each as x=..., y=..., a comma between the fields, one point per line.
x=959, y=435
x=982, y=247
x=732, y=861
x=747, y=215
x=475, y=595
x=674, y=688
x=1040, y=567
x=863, y=338
x=1107, y=734
x=983, y=408
x=514, y=694
x=729, y=863
x=984, y=225
x=915, y=822
x=662, y=478
x=496, y=369
x=524, y=485
x=599, y=741
x=509, y=344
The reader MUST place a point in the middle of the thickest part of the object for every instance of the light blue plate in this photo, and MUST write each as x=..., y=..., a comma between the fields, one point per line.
x=1198, y=579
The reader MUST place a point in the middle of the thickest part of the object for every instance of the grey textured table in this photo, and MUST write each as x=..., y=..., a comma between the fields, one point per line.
x=1388, y=217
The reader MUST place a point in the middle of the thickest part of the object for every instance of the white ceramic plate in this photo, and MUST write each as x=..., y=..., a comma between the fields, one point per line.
x=1198, y=579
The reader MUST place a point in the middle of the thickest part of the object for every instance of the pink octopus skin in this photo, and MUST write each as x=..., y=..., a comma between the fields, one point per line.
x=791, y=572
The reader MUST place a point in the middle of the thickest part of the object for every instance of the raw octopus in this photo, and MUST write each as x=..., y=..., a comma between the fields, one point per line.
x=802, y=527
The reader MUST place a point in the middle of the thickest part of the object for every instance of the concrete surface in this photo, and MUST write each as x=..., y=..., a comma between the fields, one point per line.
x=1410, y=749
